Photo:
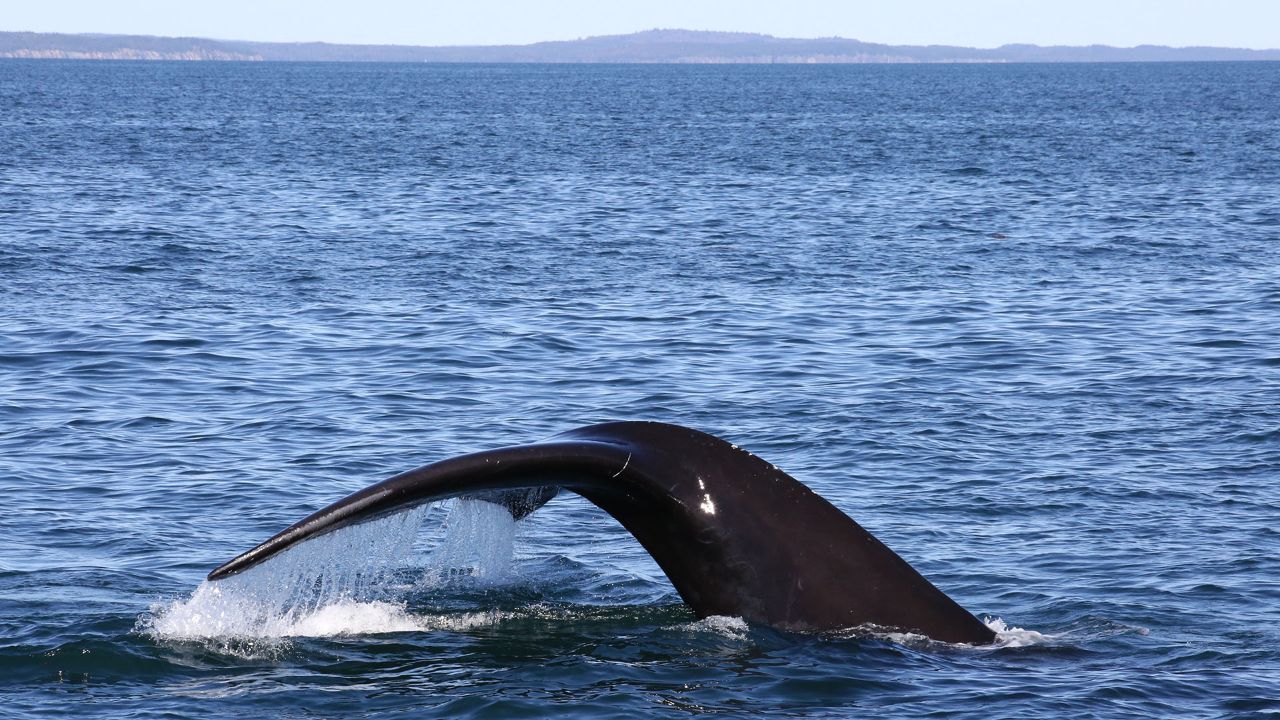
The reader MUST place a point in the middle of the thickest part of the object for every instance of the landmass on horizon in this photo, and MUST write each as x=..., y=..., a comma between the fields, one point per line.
x=651, y=46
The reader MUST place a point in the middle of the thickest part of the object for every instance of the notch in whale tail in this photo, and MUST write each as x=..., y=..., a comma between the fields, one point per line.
x=735, y=535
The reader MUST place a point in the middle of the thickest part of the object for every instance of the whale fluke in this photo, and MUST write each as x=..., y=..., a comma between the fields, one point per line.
x=735, y=535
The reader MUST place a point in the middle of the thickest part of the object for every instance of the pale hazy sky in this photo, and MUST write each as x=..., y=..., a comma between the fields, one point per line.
x=980, y=23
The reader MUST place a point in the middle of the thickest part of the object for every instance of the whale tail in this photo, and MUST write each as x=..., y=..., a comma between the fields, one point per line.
x=735, y=535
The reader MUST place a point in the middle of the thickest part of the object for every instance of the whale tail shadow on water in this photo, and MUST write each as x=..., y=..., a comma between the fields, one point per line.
x=735, y=535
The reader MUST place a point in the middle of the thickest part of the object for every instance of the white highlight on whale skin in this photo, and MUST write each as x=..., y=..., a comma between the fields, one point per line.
x=707, y=505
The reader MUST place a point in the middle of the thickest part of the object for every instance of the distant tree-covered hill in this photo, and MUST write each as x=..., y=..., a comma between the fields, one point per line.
x=652, y=46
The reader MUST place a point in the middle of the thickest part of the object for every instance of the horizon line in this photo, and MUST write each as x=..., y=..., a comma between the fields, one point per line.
x=639, y=32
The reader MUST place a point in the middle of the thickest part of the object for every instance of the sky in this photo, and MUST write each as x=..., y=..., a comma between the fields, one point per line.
x=974, y=23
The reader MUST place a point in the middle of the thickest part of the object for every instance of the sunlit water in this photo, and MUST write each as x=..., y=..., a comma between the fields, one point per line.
x=1020, y=322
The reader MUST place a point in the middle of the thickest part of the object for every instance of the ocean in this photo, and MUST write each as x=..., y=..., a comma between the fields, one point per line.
x=1021, y=322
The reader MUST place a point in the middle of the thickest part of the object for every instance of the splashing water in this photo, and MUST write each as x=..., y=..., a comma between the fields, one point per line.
x=1006, y=637
x=733, y=628
x=477, y=544
x=1014, y=637
x=343, y=583
x=290, y=594
x=346, y=583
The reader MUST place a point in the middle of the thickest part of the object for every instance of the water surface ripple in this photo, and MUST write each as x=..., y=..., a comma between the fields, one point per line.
x=1020, y=322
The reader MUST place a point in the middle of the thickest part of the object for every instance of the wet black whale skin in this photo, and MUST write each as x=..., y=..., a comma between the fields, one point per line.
x=735, y=535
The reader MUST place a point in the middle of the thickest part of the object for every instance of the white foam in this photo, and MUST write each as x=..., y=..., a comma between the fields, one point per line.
x=371, y=618
x=1006, y=637
x=348, y=617
x=1014, y=637
x=731, y=627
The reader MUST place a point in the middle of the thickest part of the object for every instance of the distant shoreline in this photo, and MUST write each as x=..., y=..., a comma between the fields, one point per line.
x=648, y=47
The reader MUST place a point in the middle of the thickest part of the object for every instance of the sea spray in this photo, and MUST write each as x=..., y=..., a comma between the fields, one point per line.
x=350, y=566
x=345, y=582
x=475, y=544
x=1015, y=637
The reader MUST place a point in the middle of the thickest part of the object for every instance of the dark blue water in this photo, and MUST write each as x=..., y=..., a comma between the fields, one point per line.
x=1022, y=323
